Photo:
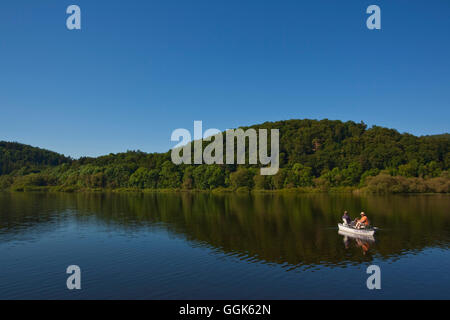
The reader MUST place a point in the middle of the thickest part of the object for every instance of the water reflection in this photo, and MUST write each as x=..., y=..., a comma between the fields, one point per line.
x=290, y=230
x=362, y=241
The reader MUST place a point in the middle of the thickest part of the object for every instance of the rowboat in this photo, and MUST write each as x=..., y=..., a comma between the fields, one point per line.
x=362, y=232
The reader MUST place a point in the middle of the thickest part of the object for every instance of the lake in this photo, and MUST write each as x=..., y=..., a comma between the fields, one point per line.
x=232, y=246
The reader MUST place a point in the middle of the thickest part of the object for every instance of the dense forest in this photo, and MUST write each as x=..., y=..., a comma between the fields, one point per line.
x=15, y=157
x=315, y=155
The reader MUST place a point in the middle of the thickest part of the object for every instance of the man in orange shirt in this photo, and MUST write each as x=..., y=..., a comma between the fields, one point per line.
x=363, y=221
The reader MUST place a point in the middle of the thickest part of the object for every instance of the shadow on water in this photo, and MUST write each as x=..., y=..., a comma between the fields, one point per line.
x=290, y=230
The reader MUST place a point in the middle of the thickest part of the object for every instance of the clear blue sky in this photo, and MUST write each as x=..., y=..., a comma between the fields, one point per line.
x=140, y=69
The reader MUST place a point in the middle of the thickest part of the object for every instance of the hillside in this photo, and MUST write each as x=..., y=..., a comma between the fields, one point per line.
x=318, y=155
x=15, y=156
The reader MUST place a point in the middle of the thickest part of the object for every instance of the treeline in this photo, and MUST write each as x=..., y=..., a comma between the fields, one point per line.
x=17, y=157
x=314, y=155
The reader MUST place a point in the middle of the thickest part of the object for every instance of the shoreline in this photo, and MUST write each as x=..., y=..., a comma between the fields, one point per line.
x=305, y=190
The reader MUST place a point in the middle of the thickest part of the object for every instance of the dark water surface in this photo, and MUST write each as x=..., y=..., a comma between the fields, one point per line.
x=203, y=246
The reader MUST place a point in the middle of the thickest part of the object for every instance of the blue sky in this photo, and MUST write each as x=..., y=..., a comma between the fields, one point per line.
x=140, y=69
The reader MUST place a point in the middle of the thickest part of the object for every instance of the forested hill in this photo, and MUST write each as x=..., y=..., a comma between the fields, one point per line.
x=15, y=156
x=327, y=144
x=313, y=154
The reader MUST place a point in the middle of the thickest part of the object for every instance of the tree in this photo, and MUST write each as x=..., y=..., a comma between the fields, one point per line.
x=430, y=170
x=351, y=175
x=243, y=177
x=409, y=170
x=215, y=176
x=278, y=179
x=261, y=182
x=169, y=176
x=144, y=178
x=299, y=176
x=188, y=180
x=200, y=178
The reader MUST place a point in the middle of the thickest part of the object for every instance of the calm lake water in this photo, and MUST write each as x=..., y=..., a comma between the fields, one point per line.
x=203, y=246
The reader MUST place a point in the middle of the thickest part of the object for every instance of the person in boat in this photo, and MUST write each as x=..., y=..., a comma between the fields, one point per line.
x=346, y=218
x=364, y=221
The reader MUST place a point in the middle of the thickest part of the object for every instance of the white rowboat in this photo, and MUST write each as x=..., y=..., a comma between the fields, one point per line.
x=362, y=232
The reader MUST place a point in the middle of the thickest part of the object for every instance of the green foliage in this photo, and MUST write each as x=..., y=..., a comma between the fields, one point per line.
x=208, y=177
x=279, y=178
x=15, y=156
x=243, y=189
x=144, y=178
x=299, y=176
x=409, y=169
x=262, y=182
x=325, y=155
x=243, y=177
x=215, y=176
x=369, y=173
x=351, y=175
x=384, y=183
x=430, y=170
x=188, y=180
x=6, y=182
x=169, y=176
x=34, y=180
